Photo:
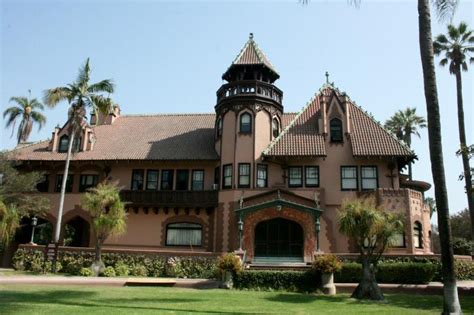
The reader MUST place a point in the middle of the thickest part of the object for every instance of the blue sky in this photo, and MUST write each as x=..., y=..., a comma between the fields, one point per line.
x=168, y=57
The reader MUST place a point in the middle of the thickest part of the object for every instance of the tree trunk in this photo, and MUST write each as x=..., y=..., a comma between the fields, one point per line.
x=463, y=146
x=368, y=287
x=63, y=187
x=98, y=251
x=451, y=302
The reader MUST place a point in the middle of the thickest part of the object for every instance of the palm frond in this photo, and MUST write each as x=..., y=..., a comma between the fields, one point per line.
x=462, y=28
x=20, y=100
x=38, y=118
x=84, y=74
x=34, y=103
x=102, y=86
x=101, y=103
x=55, y=95
x=453, y=32
x=445, y=8
x=443, y=62
x=12, y=113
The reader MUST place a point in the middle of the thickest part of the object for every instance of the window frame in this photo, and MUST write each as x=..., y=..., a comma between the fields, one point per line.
x=306, y=175
x=84, y=188
x=404, y=242
x=136, y=171
x=178, y=172
x=148, y=171
x=249, y=124
x=69, y=183
x=331, y=131
x=289, y=176
x=417, y=226
x=356, y=178
x=60, y=148
x=224, y=167
x=362, y=177
x=275, y=119
x=219, y=127
x=217, y=176
x=241, y=176
x=201, y=181
x=169, y=179
x=183, y=228
x=265, y=166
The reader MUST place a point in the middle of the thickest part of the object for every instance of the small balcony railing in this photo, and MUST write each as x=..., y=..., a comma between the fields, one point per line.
x=152, y=198
x=249, y=88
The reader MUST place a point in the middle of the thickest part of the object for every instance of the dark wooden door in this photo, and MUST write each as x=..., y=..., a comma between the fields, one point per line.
x=279, y=238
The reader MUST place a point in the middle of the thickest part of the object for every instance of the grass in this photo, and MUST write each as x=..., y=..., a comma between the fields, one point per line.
x=23, y=299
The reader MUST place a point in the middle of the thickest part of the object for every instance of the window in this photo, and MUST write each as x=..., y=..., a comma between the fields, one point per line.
x=167, y=179
x=369, y=177
x=336, y=130
x=349, y=178
x=183, y=234
x=87, y=181
x=219, y=127
x=182, y=180
x=398, y=240
x=311, y=176
x=227, y=176
x=137, y=179
x=295, y=176
x=244, y=175
x=275, y=127
x=245, y=123
x=43, y=186
x=152, y=179
x=198, y=180
x=417, y=235
x=63, y=143
x=217, y=177
x=262, y=175
x=59, y=182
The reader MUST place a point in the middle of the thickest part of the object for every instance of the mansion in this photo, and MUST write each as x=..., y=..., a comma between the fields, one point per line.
x=248, y=176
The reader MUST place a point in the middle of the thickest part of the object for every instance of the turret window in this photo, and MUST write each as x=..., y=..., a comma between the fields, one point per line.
x=244, y=175
x=275, y=127
x=336, y=130
x=245, y=123
x=219, y=127
x=418, y=235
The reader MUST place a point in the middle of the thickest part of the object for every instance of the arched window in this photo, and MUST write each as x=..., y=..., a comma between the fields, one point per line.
x=183, y=234
x=418, y=235
x=275, y=127
x=219, y=127
x=63, y=143
x=336, y=130
x=245, y=123
x=398, y=240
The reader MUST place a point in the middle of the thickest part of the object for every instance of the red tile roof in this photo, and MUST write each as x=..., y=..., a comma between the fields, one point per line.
x=153, y=137
x=302, y=138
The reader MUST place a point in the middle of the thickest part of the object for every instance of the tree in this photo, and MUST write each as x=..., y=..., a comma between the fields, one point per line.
x=460, y=224
x=107, y=214
x=80, y=95
x=456, y=47
x=371, y=228
x=404, y=124
x=444, y=7
x=30, y=112
x=9, y=223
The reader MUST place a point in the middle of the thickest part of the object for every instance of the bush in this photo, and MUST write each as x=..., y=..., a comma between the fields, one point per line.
x=462, y=246
x=139, y=271
x=86, y=272
x=278, y=280
x=405, y=273
x=464, y=270
x=229, y=262
x=327, y=264
x=109, y=272
x=122, y=270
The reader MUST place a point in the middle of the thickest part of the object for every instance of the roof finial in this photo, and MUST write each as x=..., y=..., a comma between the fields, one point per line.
x=251, y=36
x=327, y=77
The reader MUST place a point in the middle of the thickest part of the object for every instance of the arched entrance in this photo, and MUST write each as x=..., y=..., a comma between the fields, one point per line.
x=76, y=232
x=279, y=238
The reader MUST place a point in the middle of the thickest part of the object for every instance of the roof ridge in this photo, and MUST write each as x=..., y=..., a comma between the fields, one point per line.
x=260, y=54
x=167, y=114
x=28, y=144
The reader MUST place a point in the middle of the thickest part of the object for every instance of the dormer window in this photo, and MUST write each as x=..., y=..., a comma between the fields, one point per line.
x=336, y=130
x=245, y=123
x=63, y=143
x=275, y=127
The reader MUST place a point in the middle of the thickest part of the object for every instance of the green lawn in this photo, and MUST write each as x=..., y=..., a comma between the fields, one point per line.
x=15, y=299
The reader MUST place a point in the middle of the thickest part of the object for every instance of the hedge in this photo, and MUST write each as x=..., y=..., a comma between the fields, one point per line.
x=123, y=264
x=296, y=281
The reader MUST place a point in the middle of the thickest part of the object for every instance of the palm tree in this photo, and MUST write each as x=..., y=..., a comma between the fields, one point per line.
x=108, y=216
x=444, y=7
x=456, y=46
x=404, y=124
x=9, y=223
x=29, y=111
x=80, y=95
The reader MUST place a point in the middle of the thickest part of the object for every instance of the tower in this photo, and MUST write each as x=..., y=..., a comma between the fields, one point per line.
x=248, y=116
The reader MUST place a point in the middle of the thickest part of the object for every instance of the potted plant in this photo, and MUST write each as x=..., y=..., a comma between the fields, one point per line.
x=327, y=265
x=228, y=264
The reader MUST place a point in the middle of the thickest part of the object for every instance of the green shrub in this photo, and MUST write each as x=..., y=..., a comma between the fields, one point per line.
x=229, y=262
x=109, y=272
x=296, y=281
x=121, y=270
x=464, y=270
x=462, y=246
x=327, y=263
x=86, y=272
x=405, y=273
x=139, y=271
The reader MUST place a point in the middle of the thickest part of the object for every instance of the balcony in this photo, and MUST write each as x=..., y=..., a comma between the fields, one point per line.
x=172, y=199
x=244, y=89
